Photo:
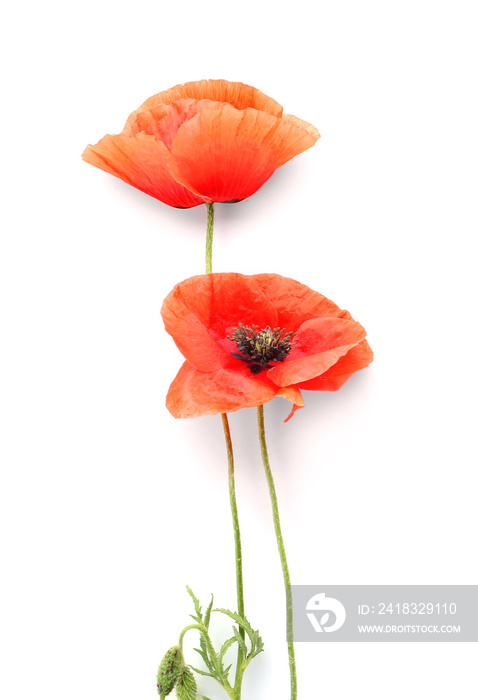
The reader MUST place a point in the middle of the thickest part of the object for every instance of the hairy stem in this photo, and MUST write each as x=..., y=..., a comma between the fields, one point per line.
x=232, y=488
x=238, y=547
x=282, y=554
x=209, y=236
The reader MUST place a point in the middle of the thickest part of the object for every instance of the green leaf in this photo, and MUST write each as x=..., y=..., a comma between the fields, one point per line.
x=206, y=660
x=256, y=641
x=227, y=644
x=197, y=607
x=205, y=653
x=202, y=673
x=243, y=622
x=207, y=616
x=240, y=641
x=258, y=645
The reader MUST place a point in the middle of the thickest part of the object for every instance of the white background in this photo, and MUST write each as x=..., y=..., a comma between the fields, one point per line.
x=109, y=506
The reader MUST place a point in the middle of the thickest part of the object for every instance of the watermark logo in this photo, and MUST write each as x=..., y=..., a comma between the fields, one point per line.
x=326, y=614
x=390, y=613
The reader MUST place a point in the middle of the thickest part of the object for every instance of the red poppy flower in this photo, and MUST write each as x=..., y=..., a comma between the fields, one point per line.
x=248, y=338
x=205, y=141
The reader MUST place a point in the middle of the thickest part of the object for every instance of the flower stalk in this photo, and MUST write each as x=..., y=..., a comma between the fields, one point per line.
x=232, y=488
x=238, y=546
x=209, y=236
x=282, y=554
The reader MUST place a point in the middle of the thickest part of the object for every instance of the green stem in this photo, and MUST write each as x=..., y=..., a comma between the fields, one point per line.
x=209, y=236
x=186, y=629
x=280, y=545
x=238, y=547
x=232, y=489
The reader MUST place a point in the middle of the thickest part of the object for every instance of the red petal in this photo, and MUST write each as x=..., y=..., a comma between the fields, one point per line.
x=291, y=393
x=141, y=161
x=202, y=311
x=236, y=94
x=295, y=302
x=187, y=312
x=320, y=343
x=195, y=393
x=320, y=334
x=164, y=121
x=227, y=154
x=357, y=358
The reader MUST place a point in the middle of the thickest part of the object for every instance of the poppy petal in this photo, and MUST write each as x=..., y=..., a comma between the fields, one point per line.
x=320, y=343
x=295, y=302
x=195, y=393
x=292, y=393
x=141, y=161
x=357, y=358
x=163, y=121
x=294, y=409
x=320, y=334
x=301, y=124
x=186, y=312
x=292, y=136
x=306, y=368
x=202, y=311
x=239, y=95
x=227, y=154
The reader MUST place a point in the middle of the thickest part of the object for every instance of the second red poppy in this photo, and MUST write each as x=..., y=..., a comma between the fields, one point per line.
x=248, y=338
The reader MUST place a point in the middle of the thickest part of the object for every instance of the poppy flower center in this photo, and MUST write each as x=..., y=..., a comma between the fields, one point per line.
x=261, y=347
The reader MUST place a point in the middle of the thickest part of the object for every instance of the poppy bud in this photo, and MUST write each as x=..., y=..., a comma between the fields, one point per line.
x=186, y=688
x=170, y=670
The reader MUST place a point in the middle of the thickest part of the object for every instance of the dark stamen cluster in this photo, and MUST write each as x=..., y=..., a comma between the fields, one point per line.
x=260, y=347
